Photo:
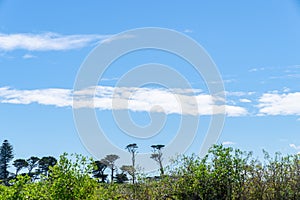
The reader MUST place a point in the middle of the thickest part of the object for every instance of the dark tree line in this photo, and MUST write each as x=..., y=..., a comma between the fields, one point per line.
x=34, y=167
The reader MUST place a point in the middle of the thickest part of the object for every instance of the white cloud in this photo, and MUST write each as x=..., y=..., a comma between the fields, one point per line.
x=286, y=89
x=235, y=111
x=239, y=94
x=297, y=148
x=176, y=101
x=253, y=70
x=46, y=41
x=228, y=143
x=245, y=100
x=28, y=56
x=52, y=96
x=279, y=104
x=110, y=79
x=256, y=69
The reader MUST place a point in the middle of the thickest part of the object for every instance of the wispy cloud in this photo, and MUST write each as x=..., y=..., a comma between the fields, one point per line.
x=286, y=89
x=175, y=101
x=53, y=96
x=228, y=143
x=47, y=41
x=257, y=69
x=28, y=56
x=188, y=31
x=297, y=148
x=110, y=79
x=117, y=37
x=278, y=72
x=239, y=93
x=279, y=104
x=245, y=100
x=287, y=76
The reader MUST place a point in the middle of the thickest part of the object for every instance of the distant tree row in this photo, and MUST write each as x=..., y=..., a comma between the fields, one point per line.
x=34, y=167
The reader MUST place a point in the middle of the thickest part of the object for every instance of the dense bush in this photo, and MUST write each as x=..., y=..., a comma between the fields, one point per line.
x=225, y=173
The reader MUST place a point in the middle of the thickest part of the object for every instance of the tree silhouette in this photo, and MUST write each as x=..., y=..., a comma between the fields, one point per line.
x=110, y=160
x=98, y=172
x=132, y=149
x=157, y=156
x=20, y=164
x=127, y=169
x=32, y=163
x=6, y=155
x=45, y=163
x=121, y=178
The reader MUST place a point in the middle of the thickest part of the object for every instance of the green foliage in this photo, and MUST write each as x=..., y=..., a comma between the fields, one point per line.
x=223, y=174
x=72, y=180
x=23, y=188
x=66, y=180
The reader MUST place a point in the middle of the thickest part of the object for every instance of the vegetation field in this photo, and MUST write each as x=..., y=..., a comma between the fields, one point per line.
x=225, y=173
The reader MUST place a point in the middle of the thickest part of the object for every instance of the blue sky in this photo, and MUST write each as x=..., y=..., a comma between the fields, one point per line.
x=254, y=44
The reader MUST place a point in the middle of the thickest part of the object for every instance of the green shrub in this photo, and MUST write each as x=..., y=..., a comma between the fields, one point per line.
x=71, y=180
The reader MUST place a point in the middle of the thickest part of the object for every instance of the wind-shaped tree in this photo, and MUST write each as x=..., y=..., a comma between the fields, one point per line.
x=45, y=163
x=157, y=156
x=32, y=163
x=20, y=164
x=127, y=169
x=110, y=160
x=132, y=149
x=98, y=172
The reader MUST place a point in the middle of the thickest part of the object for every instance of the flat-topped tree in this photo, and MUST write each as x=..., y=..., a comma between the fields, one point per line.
x=157, y=156
x=45, y=163
x=19, y=164
x=98, y=171
x=32, y=163
x=110, y=160
x=132, y=149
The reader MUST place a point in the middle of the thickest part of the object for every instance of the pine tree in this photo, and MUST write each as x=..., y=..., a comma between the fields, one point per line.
x=6, y=155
